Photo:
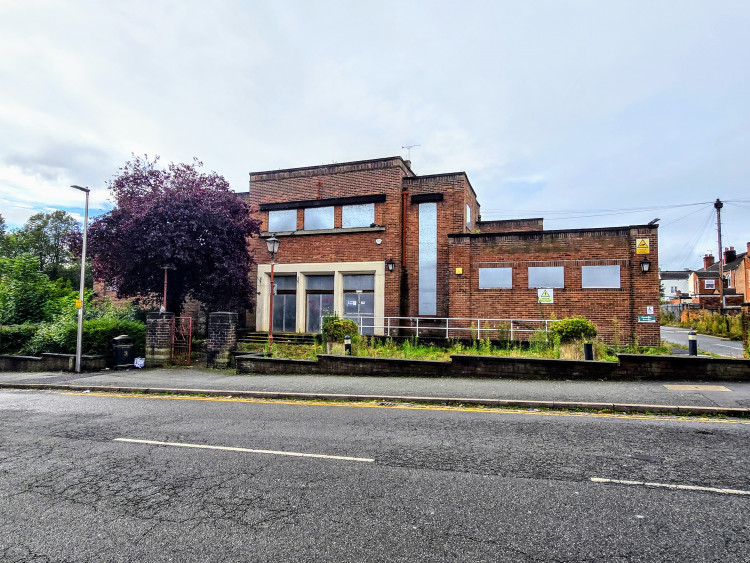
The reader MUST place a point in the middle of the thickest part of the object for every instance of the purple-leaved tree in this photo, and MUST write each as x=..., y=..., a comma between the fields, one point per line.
x=179, y=217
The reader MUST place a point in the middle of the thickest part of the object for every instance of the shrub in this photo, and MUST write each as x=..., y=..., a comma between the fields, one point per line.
x=573, y=328
x=13, y=338
x=61, y=336
x=335, y=328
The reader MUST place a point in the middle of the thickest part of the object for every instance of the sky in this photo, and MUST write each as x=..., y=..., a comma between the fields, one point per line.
x=587, y=113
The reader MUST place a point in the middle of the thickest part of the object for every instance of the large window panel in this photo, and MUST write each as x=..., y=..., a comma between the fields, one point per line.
x=282, y=220
x=318, y=218
x=427, y=258
x=546, y=276
x=353, y=282
x=357, y=215
x=600, y=276
x=496, y=278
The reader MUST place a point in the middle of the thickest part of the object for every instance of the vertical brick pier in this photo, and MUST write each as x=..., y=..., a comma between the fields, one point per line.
x=222, y=339
x=158, y=339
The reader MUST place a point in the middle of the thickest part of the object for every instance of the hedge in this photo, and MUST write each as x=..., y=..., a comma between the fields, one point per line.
x=13, y=338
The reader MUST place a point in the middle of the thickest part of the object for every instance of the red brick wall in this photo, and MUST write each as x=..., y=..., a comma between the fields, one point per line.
x=562, y=248
x=335, y=181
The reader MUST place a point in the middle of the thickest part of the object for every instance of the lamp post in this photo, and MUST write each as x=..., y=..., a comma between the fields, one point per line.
x=165, y=268
x=79, y=339
x=273, y=247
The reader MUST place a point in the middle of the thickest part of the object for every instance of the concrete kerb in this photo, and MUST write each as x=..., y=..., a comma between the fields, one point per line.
x=450, y=401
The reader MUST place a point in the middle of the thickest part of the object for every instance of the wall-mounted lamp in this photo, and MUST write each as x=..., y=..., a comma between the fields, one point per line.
x=390, y=264
x=645, y=265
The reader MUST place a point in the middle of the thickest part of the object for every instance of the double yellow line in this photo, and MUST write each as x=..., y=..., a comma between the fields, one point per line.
x=407, y=406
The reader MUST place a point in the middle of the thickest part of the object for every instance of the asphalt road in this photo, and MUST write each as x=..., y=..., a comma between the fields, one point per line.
x=417, y=484
x=710, y=344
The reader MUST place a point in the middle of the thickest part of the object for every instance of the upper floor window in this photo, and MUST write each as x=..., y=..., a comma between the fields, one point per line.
x=546, y=276
x=600, y=276
x=495, y=278
x=282, y=220
x=710, y=284
x=357, y=215
x=468, y=217
x=318, y=218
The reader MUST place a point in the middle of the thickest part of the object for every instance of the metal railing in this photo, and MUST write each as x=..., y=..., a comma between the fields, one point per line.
x=457, y=327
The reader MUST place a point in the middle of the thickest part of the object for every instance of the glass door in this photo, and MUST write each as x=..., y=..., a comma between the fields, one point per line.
x=319, y=301
x=359, y=301
x=285, y=304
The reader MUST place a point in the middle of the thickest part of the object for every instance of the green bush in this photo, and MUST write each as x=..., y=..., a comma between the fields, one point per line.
x=13, y=338
x=335, y=328
x=61, y=336
x=572, y=328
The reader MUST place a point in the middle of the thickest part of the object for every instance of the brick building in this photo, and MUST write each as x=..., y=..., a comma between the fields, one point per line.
x=373, y=241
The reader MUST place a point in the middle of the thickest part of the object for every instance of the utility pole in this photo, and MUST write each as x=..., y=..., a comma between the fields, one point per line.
x=718, y=205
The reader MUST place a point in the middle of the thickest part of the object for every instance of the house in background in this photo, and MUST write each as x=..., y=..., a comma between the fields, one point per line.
x=375, y=242
x=704, y=283
x=675, y=285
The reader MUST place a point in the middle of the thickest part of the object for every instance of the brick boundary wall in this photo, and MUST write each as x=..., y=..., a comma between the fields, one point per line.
x=158, y=339
x=221, y=340
x=51, y=362
x=629, y=367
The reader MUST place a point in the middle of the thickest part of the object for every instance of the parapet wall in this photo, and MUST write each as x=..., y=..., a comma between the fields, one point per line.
x=628, y=367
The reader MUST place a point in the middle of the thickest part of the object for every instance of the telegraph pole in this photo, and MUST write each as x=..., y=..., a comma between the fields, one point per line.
x=718, y=205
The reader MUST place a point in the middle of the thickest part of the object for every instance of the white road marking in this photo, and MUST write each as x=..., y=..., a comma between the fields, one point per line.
x=670, y=486
x=246, y=450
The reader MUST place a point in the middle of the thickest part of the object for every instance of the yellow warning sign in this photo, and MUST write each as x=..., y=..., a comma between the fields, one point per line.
x=641, y=246
x=546, y=295
x=78, y=303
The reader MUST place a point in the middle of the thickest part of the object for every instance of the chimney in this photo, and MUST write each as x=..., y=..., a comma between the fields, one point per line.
x=729, y=254
x=708, y=260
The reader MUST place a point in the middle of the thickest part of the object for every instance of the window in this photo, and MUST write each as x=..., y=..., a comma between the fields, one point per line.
x=468, y=217
x=546, y=276
x=710, y=284
x=282, y=220
x=427, y=259
x=673, y=289
x=354, y=282
x=288, y=283
x=600, y=276
x=496, y=278
x=357, y=215
x=318, y=218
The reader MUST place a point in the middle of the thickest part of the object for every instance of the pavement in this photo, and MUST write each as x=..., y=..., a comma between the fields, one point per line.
x=666, y=397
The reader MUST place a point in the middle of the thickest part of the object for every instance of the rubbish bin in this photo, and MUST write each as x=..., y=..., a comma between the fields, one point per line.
x=122, y=347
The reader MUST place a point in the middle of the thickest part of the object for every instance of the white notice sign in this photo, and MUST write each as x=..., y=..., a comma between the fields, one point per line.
x=649, y=309
x=546, y=295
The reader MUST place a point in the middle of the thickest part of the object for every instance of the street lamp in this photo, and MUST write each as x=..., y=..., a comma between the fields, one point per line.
x=645, y=265
x=79, y=339
x=273, y=247
x=165, y=268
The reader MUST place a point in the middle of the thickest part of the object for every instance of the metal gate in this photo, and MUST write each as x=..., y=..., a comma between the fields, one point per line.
x=182, y=337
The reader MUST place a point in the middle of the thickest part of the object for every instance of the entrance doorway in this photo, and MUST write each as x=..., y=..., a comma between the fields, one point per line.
x=359, y=301
x=285, y=304
x=319, y=301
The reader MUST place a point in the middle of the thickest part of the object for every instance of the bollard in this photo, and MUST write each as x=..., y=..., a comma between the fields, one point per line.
x=348, y=345
x=692, y=343
x=588, y=351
